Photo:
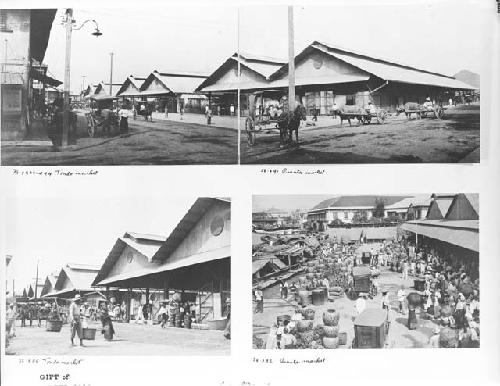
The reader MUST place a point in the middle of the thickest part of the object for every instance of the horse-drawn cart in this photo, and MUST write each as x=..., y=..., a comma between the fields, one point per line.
x=102, y=119
x=272, y=119
x=421, y=111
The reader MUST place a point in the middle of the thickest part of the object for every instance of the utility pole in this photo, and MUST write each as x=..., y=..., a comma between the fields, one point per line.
x=67, y=64
x=111, y=75
x=238, y=112
x=291, y=62
x=36, y=280
x=83, y=82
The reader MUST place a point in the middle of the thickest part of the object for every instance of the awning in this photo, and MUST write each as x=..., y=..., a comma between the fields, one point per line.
x=464, y=234
x=44, y=78
x=188, y=261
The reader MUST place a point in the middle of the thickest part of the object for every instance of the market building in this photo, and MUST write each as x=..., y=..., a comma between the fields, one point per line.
x=74, y=279
x=49, y=284
x=24, y=77
x=130, y=88
x=174, y=90
x=454, y=236
x=222, y=85
x=194, y=260
x=325, y=74
x=354, y=209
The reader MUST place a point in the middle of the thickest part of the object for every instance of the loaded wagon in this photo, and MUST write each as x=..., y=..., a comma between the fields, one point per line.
x=365, y=116
x=421, y=111
x=371, y=328
x=262, y=120
x=361, y=282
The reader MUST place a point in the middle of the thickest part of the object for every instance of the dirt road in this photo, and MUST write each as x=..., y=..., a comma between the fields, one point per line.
x=399, y=140
x=157, y=143
x=130, y=339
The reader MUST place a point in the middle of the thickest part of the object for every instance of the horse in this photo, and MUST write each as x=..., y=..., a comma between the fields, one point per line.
x=290, y=122
x=410, y=107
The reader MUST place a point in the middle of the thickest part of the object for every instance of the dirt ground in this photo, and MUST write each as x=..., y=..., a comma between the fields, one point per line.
x=157, y=143
x=399, y=335
x=399, y=140
x=130, y=339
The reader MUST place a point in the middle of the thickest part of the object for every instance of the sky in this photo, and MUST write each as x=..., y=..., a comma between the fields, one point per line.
x=60, y=230
x=288, y=202
x=441, y=36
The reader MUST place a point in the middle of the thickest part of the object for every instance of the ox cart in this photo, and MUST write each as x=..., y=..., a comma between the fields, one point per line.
x=421, y=111
x=365, y=116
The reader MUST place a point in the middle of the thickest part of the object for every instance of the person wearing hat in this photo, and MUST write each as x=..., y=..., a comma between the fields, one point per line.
x=428, y=105
x=75, y=320
x=434, y=339
x=162, y=314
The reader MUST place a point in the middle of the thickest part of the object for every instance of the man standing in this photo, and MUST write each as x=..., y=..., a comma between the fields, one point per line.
x=401, y=298
x=259, y=298
x=11, y=321
x=75, y=320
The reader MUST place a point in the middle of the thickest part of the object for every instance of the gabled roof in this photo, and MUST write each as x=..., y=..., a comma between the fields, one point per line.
x=80, y=277
x=464, y=207
x=263, y=66
x=177, y=83
x=146, y=244
x=417, y=200
x=50, y=283
x=358, y=201
x=383, y=69
x=133, y=81
x=473, y=200
x=194, y=214
x=439, y=206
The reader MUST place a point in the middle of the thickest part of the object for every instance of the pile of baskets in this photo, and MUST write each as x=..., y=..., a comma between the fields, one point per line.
x=321, y=336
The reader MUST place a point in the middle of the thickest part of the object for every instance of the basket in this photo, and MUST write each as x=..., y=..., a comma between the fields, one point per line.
x=88, y=333
x=54, y=325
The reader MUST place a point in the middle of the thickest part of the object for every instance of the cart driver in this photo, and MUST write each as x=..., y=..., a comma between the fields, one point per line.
x=371, y=109
x=428, y=105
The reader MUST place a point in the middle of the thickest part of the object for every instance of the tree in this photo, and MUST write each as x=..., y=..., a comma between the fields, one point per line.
x=379, y=207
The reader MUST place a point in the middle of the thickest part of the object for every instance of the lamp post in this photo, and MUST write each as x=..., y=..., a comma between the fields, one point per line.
x=291, y=61
x=67, y=65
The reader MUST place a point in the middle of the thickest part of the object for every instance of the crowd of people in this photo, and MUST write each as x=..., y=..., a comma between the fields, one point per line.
x=445, y=285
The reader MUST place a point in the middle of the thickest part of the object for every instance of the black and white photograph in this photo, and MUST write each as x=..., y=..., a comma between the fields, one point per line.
x=82, y=281
x=367, y=271
x=115, y=86
x=370, y=83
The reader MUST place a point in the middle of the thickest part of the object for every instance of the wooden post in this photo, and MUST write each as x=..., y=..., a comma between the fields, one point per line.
x=291, y=61
x=111, y=75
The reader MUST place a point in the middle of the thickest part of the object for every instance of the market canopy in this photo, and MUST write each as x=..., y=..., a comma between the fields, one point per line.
x=463, y=233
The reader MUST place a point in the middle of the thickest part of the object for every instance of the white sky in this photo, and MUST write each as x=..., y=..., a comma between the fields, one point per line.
x=289, y=202
x=60, y=230
x=445, y=36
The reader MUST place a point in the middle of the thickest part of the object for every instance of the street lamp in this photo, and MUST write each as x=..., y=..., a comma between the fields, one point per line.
x=69, y=28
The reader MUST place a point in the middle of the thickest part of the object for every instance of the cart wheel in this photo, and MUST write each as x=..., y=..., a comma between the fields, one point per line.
x=381, y=116
x=250, y=130
x=439, y=112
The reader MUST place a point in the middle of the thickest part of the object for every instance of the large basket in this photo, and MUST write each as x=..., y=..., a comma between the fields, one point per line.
x=88, y=333
x=54, y=325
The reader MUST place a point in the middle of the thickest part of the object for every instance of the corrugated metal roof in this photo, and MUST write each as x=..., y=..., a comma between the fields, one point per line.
x=357, y=201
x=178, y=83
x=80, y=277
x=395, y=72
x=474, y=201
x=257, y=265
x=130, y=81
x=464, y=233
x=417, y=200
x=188, y=261
x=145, y=244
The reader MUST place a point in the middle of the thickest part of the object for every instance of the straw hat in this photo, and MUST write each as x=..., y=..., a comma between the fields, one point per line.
x=77, y=297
